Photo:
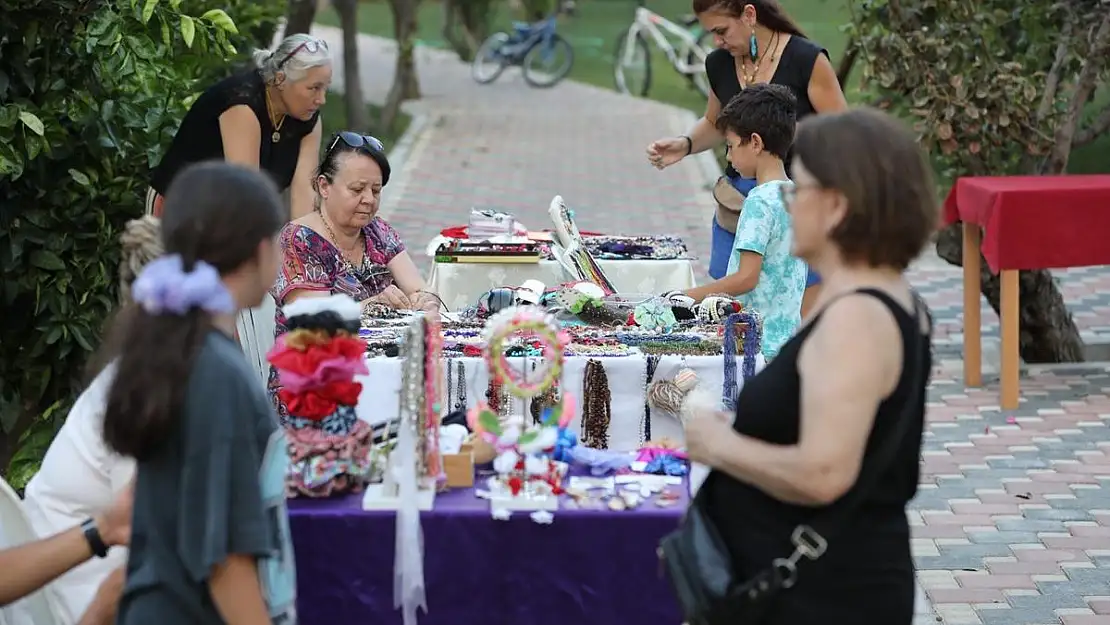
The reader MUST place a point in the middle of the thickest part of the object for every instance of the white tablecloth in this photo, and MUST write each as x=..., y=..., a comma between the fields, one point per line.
x=461, y=284
x=627, y=387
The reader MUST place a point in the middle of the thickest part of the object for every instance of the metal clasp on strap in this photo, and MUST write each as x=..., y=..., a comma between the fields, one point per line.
x=807, y=544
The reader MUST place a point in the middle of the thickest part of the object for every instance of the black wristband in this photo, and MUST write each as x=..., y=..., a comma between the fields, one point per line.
x=92, y=535
x=689, y=145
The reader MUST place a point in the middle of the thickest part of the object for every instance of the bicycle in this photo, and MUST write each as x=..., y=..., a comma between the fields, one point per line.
x=633, y=53
x=526, y=46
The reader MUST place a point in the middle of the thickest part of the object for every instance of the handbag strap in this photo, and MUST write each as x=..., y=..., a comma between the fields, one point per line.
x=811, y=540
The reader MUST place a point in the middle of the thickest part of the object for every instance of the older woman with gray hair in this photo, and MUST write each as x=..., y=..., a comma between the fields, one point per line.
x=266, y=117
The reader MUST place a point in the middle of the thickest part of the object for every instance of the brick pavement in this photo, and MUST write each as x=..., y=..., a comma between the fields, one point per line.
x=1012, y=524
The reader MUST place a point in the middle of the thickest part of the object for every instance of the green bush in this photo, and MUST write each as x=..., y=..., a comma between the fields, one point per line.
x=91, y=92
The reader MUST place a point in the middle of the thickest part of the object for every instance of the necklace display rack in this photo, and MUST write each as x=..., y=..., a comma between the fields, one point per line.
x=413, y=463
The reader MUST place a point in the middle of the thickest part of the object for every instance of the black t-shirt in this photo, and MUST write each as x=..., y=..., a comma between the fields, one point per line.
x=794, y=71
x=198, y=138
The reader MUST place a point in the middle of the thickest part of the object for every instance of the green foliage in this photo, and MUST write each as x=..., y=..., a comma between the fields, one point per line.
x=91, y=94
x=974, y=77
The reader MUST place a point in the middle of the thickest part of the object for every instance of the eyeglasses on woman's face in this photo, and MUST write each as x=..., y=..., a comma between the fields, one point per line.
x=355, y=141
x=789, y=192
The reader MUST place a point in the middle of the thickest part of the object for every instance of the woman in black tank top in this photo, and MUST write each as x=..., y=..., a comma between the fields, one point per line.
x=756, y=43
x=806, y=437
x=267, y=117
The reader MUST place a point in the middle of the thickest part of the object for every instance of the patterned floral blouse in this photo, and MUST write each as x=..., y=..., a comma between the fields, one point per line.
x=310, y=262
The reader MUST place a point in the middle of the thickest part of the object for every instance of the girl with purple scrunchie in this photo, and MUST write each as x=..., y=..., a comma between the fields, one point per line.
x=184, y=403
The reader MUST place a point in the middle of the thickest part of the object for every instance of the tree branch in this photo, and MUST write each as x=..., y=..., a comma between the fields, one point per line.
x=1095, y=129
x=1081, y=94
x=1052, y=81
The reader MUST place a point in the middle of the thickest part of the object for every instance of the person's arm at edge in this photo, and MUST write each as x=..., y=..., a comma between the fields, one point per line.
x=242, y=135
x=105, y=605
x=824, y=89
x=742, y=281
x=704, y=135
x=27, y=568
x=301, y=194
x=237, y=593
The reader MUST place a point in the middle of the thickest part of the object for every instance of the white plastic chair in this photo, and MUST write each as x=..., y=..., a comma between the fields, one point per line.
x=41, y=607
x=256, y=334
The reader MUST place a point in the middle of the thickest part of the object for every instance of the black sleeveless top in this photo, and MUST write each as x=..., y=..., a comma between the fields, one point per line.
x=198, y=138
x=867, y=570
x=794, y=71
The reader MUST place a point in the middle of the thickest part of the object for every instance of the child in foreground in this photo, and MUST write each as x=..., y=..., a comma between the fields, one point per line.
x=758, y=125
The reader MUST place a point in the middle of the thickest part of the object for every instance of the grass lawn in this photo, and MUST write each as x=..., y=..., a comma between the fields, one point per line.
x=593, y=33
x=334, y=115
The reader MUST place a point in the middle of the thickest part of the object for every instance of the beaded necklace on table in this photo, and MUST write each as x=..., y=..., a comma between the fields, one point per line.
x=649, y=375
x=596, y=408
x=751, y=346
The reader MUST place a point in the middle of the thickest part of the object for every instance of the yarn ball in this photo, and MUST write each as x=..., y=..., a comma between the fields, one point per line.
x=686, y=380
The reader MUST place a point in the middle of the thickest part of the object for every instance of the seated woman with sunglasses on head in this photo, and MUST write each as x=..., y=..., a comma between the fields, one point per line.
x=343, y=246
x=267, y=117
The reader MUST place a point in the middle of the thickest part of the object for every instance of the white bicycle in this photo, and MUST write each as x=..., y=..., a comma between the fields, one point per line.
x=632, y=65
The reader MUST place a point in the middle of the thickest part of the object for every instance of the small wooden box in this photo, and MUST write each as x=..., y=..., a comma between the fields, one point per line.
x=460, y=467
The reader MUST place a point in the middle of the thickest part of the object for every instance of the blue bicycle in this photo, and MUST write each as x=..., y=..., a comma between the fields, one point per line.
x=544, y=57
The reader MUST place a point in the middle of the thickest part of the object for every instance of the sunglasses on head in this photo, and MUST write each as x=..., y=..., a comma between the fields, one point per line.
x=312, y=46
x=355, y=141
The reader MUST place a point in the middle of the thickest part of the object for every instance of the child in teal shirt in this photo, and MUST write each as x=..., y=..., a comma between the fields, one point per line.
x=758, y=124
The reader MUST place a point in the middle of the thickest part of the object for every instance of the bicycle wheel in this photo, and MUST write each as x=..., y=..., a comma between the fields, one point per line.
x=632, y=68
x=540, y=66
x=488, y=61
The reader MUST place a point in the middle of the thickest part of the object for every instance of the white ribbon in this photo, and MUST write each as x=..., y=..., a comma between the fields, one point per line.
x=408, y=567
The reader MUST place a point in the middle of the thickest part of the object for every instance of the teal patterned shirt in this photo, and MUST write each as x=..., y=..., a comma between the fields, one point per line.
x=765, y=228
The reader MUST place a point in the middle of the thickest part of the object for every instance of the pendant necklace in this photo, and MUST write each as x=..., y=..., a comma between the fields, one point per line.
x=344, y=254
x=276, y=124
x=749, y=79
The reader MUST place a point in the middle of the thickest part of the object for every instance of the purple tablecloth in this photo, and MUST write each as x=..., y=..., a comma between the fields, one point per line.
x=588, y=567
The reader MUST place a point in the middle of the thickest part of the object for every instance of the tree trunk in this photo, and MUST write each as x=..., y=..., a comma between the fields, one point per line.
x=299, y=16
x=452, y=32
x=406, y=85
x=357, y=116
x=466, y=25
x=847, y=62
x=1048, y=332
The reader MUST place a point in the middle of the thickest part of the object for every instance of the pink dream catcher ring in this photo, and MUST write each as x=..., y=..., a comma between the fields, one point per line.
x=534, y=324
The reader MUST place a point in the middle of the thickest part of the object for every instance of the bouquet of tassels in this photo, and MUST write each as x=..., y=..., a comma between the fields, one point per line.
x=317, y=361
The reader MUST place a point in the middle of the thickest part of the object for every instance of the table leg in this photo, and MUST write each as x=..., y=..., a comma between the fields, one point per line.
x=1011, y=320
x=973, y=342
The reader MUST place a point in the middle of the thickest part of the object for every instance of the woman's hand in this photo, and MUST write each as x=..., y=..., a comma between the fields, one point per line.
x=666, y=152
x=705, y=431
x=393, y=297
x=114, y=523
x=425, y=301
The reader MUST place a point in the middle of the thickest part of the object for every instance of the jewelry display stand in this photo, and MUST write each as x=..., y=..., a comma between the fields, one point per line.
x=527, y=479
x=416, y=448
x=570, y=250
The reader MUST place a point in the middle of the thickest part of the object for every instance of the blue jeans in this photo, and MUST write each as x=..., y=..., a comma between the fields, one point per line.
x=720, y=249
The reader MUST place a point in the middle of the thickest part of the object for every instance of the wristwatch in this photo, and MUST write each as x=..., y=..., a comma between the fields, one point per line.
x=92, y=535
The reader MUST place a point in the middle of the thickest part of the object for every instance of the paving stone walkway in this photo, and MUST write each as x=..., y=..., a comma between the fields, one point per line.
x=1012, y=524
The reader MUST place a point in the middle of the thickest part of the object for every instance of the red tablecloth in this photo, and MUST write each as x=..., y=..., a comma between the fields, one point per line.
x=1036, y=222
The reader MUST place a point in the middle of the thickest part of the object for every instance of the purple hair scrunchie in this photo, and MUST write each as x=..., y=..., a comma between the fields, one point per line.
x=164, y=287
